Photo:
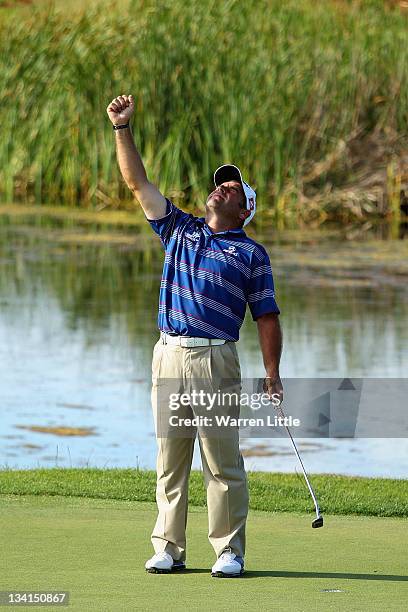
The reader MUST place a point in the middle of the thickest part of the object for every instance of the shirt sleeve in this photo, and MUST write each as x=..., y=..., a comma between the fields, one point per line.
x=167, y=226
x=261, y=291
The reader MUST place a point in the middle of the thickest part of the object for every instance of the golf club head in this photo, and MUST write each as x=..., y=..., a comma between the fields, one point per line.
x=318, y=522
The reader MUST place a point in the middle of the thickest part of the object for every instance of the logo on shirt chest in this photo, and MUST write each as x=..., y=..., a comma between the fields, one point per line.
x=195, y=236
x=231, y=251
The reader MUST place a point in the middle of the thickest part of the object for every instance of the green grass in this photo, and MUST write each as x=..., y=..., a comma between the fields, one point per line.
x=273, y=86
x=268, y=492
x=96, y=550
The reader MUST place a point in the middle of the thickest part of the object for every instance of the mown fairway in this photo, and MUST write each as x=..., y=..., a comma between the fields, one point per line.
x=96, y=550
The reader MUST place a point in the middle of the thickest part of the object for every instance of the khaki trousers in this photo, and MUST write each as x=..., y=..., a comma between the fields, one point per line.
x=214, y=368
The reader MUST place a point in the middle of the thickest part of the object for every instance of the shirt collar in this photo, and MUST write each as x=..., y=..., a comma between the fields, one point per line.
x=237, y=231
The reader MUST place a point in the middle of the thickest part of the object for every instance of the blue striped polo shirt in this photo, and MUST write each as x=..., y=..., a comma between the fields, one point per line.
x=209, y=278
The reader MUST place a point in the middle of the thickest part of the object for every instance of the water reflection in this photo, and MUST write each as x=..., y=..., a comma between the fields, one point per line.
x=77, y=328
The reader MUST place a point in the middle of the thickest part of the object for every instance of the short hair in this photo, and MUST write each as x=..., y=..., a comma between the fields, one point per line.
x=244, y=200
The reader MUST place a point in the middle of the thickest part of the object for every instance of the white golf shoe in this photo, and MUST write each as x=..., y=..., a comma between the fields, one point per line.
x=228, y=565
x=163, y=563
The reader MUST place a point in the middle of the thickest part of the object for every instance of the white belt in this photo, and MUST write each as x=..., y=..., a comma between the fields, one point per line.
x=188, y=342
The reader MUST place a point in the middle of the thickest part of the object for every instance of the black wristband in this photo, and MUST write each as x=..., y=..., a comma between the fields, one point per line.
x=121, y=127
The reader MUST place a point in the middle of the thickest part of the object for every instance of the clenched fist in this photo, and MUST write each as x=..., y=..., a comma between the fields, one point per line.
x=121, y=109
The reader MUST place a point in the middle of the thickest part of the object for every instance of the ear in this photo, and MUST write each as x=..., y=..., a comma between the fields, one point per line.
x=243, y=214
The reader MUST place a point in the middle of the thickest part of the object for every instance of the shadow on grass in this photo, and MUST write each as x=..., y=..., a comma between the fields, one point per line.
x=281, y=574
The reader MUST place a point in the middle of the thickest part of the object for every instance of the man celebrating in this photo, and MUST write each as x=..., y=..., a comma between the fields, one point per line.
x=211, y=271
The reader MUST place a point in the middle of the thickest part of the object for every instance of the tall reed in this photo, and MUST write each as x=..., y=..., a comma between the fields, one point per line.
x=271, y=86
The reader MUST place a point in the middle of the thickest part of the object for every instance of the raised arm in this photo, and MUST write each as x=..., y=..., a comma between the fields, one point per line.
x=120, y=110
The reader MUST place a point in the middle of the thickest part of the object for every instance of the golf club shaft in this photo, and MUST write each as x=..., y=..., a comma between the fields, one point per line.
x=302, y=466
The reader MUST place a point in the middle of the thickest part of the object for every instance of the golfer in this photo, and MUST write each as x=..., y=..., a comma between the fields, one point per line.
x=211, y=271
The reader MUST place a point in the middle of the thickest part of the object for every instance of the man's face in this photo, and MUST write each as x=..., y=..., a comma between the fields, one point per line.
x=228, y=200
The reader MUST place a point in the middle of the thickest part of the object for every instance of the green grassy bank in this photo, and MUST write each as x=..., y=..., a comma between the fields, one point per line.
x=288, y=90
x=268, y=492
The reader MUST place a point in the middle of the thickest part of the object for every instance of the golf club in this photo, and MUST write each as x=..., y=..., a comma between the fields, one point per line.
x=318, y=521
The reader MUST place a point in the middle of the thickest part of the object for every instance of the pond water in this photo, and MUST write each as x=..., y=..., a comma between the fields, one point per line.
x=78, y=325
